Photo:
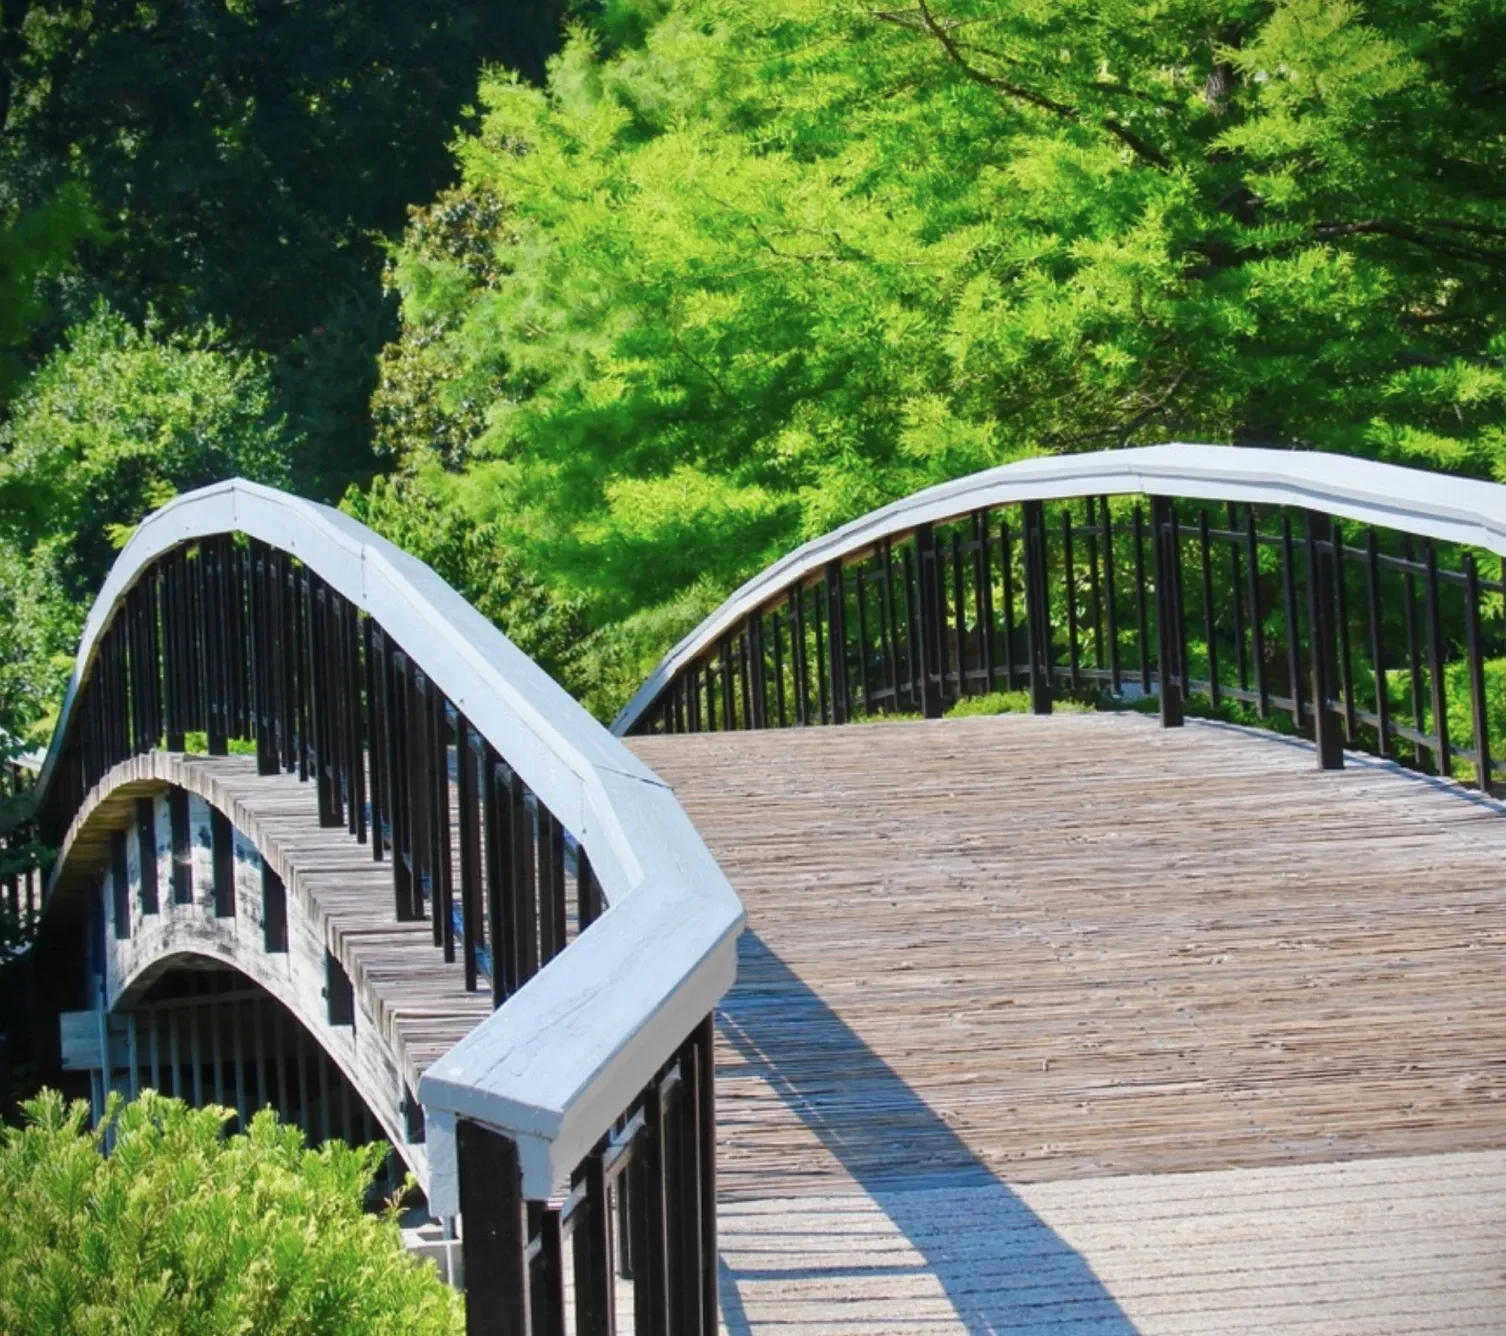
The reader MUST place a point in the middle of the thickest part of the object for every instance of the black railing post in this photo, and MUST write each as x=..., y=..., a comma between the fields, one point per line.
x=758, y=672
x=494, y=1241
x=836, y=622
x=1328, y=727
x=1037, y=607
x=1169, y=674
x=928, y=634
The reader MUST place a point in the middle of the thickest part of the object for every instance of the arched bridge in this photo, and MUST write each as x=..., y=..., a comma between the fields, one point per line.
x=1168, y=1000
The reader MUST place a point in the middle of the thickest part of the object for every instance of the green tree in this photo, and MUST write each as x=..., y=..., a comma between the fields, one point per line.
x=247, y=159
x=118, y=421
x=179, y=1229
x=767, y=265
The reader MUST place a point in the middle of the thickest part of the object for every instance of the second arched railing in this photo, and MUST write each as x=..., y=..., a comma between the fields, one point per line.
x=1351, y=601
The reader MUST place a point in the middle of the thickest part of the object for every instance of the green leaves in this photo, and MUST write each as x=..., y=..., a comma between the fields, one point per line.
x=180, y=1230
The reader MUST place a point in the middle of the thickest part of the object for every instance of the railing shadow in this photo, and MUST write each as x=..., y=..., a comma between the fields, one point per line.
x=998, y=1264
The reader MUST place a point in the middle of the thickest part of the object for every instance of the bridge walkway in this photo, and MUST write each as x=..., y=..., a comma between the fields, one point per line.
x=1075, y=1024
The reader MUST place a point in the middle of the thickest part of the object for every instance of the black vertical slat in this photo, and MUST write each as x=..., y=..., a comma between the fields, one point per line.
x=1179, y=601
x=1069, y=576
x=1236, y=598
x=710, y=696
x=1116, y=684
x=373, y=654
x=823, y=683
x=525, y=901
x=120, y=885
x=1436, y=684
x=1321, y=614
x=914, y=661
x=959, y=616
x=798, y=666
x=399, y=790
x=173, y=684
x=758, y=665
x=591, y=1242
x=439, y=811
x=500, y=913
x=836, y=621
x=1474, y=649
x=588, y=904
x=146, y=847
x=1095, y=598
x=729, y=683
x=1165, y=551
x=468, y=814
x=1006, y=576
x=865, y=683
x=1293, y=627
x=552, y=900
x=420, y=760
x=651, y=1267
x=1037, y=607
x=687, y=1235
x=1341, y=634
x=1140, y=621
x=1377, y=647
x=287, y=654
x=274, y=911
x=1414, y=647
x=704, y=1039
x=1257, y=616
x=983, y=596
x=888, y=630
x=359, y=744
x=494, y=1244
x=744, y=666
x=929, y=625
x=1210, y=624
x=182, y=841
x=548, y=1279
x=776, y=622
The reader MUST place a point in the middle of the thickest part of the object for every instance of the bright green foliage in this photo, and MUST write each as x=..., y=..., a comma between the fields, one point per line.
x=247, y=159
x=118, y=421
x=182, y=1230
x=413, y=513
x=767, y=265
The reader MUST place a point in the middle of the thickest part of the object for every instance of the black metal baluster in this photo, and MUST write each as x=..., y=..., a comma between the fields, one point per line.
x=959, y=616
x=1436, y=682
x=468, y=814
x=1165, y=549
x=1210, y=627
x=495, y=1242
x=914, y=661
x=525, y=885
x=1095, y=600
x=836, y=621
x=1069, y=575
x=865, y=685
x=501, y=912
x=890, y=627
x=1341, y=616
x=1006, y=575
x=1293, y=627
x=1377, y=650
x=444, y=880
x=1037, y=608
x=1236, y=598
x=930, y=629
x=822, y=681
x=1116, y=683
x=591, y=1242
x=983, y=600
x=1414, y=648
x=798, y=657
x=1321, y=546
x=776, y=625
x=1257, y=616
x=1473, y=648
x=1140, y=619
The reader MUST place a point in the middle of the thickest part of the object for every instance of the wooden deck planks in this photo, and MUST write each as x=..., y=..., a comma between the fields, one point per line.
x=989, y=953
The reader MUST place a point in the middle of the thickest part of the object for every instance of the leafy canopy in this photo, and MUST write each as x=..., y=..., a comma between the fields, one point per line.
x=766, y=265
x=118, y=421
x=179, y=1230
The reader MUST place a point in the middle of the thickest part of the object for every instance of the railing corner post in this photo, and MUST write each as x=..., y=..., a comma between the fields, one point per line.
x=1322, y=565
x=1037, y=606
x=1170, y=671
x=494, y=1240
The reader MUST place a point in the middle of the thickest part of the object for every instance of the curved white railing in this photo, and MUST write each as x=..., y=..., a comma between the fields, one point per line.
x=565, y=1054
x=1431, y=505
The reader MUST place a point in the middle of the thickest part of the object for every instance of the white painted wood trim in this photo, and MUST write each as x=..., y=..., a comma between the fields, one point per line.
x=1431, y=505
x=565, y=1054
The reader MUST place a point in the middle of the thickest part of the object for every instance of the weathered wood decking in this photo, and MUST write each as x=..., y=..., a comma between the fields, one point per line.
x=1078, y=1025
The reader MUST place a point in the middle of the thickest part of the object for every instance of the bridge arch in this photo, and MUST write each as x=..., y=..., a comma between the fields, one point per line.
x=421, y=793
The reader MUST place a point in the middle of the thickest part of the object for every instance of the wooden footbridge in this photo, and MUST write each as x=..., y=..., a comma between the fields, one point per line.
x=1081, y=1019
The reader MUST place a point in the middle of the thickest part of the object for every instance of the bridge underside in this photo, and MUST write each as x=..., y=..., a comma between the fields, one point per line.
x=1075, y=1024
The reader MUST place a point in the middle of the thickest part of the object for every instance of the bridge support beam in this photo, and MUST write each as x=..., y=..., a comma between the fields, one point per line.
x=1322, y=567
x=1037, y=607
